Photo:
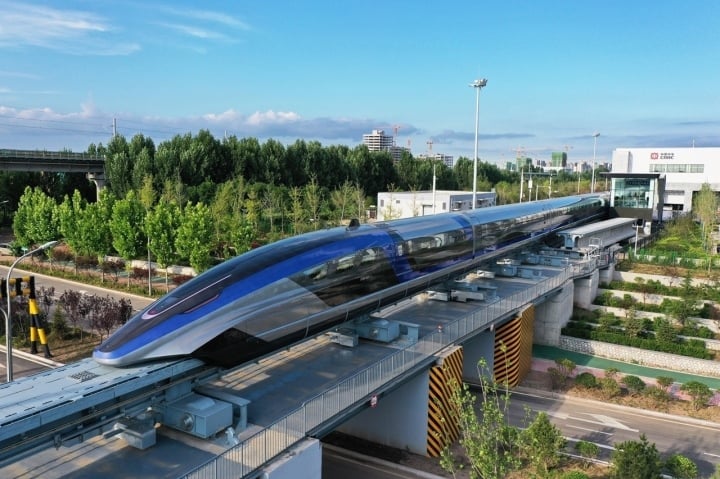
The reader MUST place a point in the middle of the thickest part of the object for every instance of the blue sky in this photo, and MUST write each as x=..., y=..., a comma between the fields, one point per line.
x=641, y=73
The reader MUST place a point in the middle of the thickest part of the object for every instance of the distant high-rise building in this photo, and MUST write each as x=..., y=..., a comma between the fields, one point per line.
x=378, y=141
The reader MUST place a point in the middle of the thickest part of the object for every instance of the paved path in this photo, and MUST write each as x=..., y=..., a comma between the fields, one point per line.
x=585, y=360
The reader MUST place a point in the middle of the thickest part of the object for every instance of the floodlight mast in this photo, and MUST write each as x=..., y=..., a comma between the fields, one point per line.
x=478, y=85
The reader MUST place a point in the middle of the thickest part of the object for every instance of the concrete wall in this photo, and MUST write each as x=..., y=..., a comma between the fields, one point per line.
x=673, y=362
x=586, y=290
x=399, y=420
x=480, y=347
x=302, y=461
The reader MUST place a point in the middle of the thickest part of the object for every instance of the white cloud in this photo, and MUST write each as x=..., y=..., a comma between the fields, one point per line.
x=70, y=31
x=272, y=117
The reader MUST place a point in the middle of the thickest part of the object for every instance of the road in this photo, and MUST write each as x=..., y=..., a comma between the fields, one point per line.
x=24, y=364
x=608, y=424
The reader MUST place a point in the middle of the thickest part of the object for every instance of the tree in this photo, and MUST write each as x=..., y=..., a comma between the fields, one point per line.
x=681, y=467
x=699, y=392
x=561, y=373
x=634, y=324
x=128, y=235
x=313, y=201
x=161, y=225
x=95, y=222
x=69, y=301
x=487, y=438
x=35, y=221
x=636, y=460
x=705, y=207
x=542, y=441
x=340, y=200
x=194, y=236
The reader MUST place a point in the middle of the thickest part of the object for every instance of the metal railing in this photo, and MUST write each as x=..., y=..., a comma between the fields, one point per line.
x=49, y=155
x=248, y=456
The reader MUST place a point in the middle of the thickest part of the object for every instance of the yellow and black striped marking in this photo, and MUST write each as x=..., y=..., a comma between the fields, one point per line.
x=513, y=348
x=442, y=420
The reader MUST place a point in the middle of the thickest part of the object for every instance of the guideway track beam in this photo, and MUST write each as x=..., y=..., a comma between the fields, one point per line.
x=78, y=401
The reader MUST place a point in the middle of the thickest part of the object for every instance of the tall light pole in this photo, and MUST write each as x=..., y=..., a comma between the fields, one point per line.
x=478, y=85
x=8, y=322
x=592, y=182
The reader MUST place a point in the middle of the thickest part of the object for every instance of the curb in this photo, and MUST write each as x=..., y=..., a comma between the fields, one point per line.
x=659, y=415
x=32, y=357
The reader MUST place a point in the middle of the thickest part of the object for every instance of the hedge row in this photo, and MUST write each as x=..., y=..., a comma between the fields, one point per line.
x=692, y=348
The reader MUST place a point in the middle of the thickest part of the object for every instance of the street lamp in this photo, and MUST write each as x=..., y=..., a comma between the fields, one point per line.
x=8, y=322
x=478, y=85
x=592, y=182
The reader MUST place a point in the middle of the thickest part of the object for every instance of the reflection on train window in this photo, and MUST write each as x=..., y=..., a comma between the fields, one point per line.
x=428, y=251
x=348, y=277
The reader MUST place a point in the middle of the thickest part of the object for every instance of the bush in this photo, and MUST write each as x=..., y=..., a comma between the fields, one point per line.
x=634, y=384
x=587, y=450
x=681, y=467
x=586, y=380
x=575, y=475
x=699, y=392
x=609, y=387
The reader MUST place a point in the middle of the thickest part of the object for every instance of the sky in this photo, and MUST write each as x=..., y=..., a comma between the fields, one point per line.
x=640, y=73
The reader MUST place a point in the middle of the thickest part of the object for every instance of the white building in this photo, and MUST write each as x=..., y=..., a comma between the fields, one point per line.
x=379, y=141
x=406, y=204
x=684, y=169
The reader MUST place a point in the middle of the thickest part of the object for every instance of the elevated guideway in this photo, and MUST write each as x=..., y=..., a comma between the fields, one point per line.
x=282, y=401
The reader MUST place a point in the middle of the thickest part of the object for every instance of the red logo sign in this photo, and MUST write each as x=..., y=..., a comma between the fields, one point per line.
x=654, y=156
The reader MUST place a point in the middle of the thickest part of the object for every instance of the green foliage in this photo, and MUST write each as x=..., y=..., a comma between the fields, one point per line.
x=34, y=221
x=681, y=467
x=665, y=381
x=542, y=442
x=194, y=236
x=127, y=218
x=586, y=380
x=487, y=438
x=633, y=383
x=560, y=374
x=575, y=475
x=664, y=331
x=587, y=449
x=699, y=392
x=636, y=460
x=664, y=340
x=609, y=387
x=633, y=324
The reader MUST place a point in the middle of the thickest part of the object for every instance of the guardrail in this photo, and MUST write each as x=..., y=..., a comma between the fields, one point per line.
x=49, y=155
x=248, y=456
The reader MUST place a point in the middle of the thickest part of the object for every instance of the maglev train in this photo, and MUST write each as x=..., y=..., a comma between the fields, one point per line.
x=280, y=293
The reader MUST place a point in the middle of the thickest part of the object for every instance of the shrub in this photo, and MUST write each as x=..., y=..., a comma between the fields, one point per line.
x=660, y=397
x=586, y=380
x=634, y=384
x=587, y=449
x=636, y=459
x=699, y=392
x=681, y=467
x=609, y=387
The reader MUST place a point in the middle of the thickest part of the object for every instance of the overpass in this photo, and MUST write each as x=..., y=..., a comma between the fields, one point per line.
x=55, y=161
x=382, y=377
